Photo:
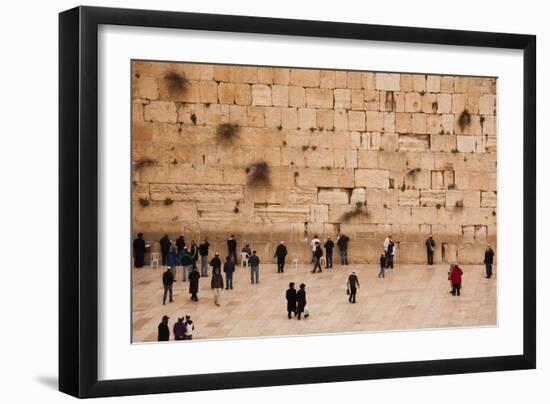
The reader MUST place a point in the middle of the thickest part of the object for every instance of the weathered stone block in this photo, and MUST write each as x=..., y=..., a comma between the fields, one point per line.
x=444, y=103
x=389, y=142
x=265, y=75
x=160, y=111
x=279, y=95
x=358, y=195
x=333, y=196
x=447, y=84
x=418, y=123
x=272, y=117
x=487, y=104
x=289, y=118
x=488, y=199
x=371, y=100
x=443, y=143
x=220, y=73
x=341, y=120
x=413, y=102
x=243, y=74
x=270, y=213
x=371, y=178
x=429, y=197
x=325, y=119
x=409, y=197
x=209, y=92
x=307, y=118
x=388, y=81
x=355, y=80
x=419, y=82
x=433, y=124
x=466, y=144
x=255, y=117
x=243, y=94
x=226, y=93
x=403, y=122
x=429, y=103
x=261, y=95
x=356, y=120
x=296, y=97
x=342, y=98
x=357, y=99
x=281, y=76
x=410, y=142
x=319, y=98
x=305, y=77
x=375, y=121
x=191, y=114
x=433, y=84
x=148, y=88
x=406, y=82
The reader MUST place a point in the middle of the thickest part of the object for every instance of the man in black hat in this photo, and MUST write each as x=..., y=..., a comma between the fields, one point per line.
x=164, y=331
x=430, y=247
x=167, y=281
x=291, y=299
x=488, y=261
x=139, y=251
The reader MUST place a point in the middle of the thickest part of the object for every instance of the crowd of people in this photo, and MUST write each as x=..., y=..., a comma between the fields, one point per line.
x=179, y=254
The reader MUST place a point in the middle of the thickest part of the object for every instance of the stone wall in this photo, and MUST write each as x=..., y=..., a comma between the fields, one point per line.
x=363, y=153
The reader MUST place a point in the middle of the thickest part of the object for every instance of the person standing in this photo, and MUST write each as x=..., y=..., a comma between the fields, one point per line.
x=180, y=243
x=488, y=261
x=217, y=285
x=389, y=248
x=173, y=260
x=216, y=262
x=139, y=251
x=430, y=247
x=353, y=284
x=254, y=262
x=301, y=301
x=186, y=262
x=194, y=277
x=164, y=331
x=317, y=254
x=179, y=330
x=203, y=252
x=329, y=247
x=189, y=328
x=228, y=269
x=247, y=250
x=165, y=244
x=194, y=253
x=455, y=276
x=280, y=253
x=232, y=248
x=314, y=243
x=291, y=300
x=342, y=243
x=167, y=281
x=382, y=273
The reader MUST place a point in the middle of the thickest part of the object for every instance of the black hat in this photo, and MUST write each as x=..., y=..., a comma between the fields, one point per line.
x=165, y=317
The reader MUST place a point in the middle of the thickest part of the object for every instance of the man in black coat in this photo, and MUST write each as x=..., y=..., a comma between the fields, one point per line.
x=167, y=281
x=329, y=246
x=180, y=243
x=139, y=251
x=488, y=261
x=301, y=301
x=216, y=262
x=228, y=269
x=280, y=253
x=291, y=299
x=232, y=248
x=317, y=254
x=353, y=284
x=430, y=247
x=165, y=244
x=203, y=252
x=342, y=243
x=164, y=331
x=194, y=284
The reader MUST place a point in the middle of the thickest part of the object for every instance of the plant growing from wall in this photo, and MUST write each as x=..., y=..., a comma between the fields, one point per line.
x=144, y=202
x=227, y=132
x=459, y=204
x=176, y=82
x=259, y=173
x=145, y=162
x=464, y=120
x=358, y=210
x=168, y=201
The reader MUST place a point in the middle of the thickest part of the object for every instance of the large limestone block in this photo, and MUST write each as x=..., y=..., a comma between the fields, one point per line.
x=489, y=199
x=476, y=181
x=368, y=159
x=318, y=214
x=429, y=197
x=224, y=212
x=281, y=76
x=334, y=196
x=403, y=122
x=265, y=75
x=355, y=80
x=192, y=114
x=389, y=122
x=243, y=94
x=261, y=95
x=386, y=160
x=307, y=118
x=357, y=99
x=411, y=142
x=429, y=103
x=358, y=195
x=389, y=142
x=160, y=111
x=471, y=253
x=473, y=128
x=273, y=117
x=147, y=87
x=356, y=120
x=226, y=93
x=444, y=103
x=371, y=178
x=341, y=120
x=209, y=92
x=448, y=124
x=443, y=143
x=410, y=252
x=418, y=123
x=296, y=97
x=272, y=213
x=319, y=98
x=279, y=95
x=320, y=158
x=342, y=98
x=137, y=111
x=488, y=127
x=305, y=77
x=409, y=197
x=318, y=177
x=196, y=193
x=388, y=81
x=243, y=74
x=289, y=118
x=433, y=84
x=413, y=102
x=375, y=121
x=414, y=179
x=327, y=79
x=325, y=119
x=371, y=100
x=220, y=73
x=255, y=117
x=302, y=195
x=159, y=212
x=466, y=144
x=487, y=104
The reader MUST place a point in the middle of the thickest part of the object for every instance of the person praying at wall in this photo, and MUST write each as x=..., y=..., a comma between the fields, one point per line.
x=139, y=251
x=165, y=244
x=342, y=242
x=232, y=248
x=430, y=247
x=280, y=253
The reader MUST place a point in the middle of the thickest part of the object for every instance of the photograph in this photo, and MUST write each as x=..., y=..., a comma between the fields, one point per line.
x=276, y=201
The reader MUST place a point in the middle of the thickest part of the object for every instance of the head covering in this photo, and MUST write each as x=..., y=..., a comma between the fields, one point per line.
x=165, y=317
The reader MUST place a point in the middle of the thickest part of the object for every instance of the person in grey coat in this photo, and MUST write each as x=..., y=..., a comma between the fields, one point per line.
x=254, y=262
x=217, y=285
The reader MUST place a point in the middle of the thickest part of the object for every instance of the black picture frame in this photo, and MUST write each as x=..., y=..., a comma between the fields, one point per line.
x=78, y=200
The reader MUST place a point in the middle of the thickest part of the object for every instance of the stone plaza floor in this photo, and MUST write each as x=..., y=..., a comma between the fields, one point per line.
x=409, y=297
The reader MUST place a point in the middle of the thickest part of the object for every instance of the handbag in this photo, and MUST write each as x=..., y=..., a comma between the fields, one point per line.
x=347, y=291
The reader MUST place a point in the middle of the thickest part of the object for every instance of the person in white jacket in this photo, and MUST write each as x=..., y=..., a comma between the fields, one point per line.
x=314, y=243
x=389, y=250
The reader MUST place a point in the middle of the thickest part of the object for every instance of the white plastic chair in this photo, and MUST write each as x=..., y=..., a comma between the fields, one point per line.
x=155, y=259
x=295, y=261
x=322, y=261
x=244, y=259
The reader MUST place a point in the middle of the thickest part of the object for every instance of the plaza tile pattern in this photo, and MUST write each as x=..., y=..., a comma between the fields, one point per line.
x=410, y=297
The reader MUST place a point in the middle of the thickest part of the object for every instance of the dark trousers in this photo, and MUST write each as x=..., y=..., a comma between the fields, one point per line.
x=352, y=294
x=299, y=310
x=291, y=309
x=317, y=265
x=233, y=256
x=489, y=270
x=344, y=257
x=194, y=297
x=229, y=281
x=456, y=289
x=280, y=265
x=166, y=290
x=329, y=259
x=164, y=257
x=430, y=257
x=389, y=261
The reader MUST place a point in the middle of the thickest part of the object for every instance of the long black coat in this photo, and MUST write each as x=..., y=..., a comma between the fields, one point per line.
x=164, y=332
x=139, y=252
x=165, y=245
x=291, y=299
x=301, y=298
x=489, y=254
x=281, y=252
x=194, y=281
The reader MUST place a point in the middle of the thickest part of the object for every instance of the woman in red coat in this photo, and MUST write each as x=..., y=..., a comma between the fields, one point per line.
x=455, y=276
